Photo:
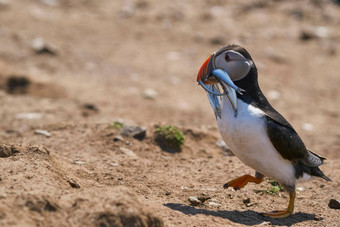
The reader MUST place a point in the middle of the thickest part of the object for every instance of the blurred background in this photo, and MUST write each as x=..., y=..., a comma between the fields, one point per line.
x=73, y=65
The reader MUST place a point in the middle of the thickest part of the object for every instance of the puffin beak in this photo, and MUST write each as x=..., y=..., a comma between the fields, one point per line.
x=208, y=76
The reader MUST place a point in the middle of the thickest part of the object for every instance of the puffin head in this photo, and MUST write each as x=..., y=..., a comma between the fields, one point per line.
x=233, y=59
x=229, y=64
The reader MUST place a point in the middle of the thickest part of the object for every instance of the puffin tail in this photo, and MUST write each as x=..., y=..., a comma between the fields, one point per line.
x=315, y=171
x=310, y=165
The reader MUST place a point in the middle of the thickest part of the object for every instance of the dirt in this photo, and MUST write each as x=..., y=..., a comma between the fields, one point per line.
x=63, y=160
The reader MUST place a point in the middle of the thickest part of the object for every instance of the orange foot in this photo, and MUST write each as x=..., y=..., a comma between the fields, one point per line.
x=278, y=214
x=284, y=213
x=240, y=182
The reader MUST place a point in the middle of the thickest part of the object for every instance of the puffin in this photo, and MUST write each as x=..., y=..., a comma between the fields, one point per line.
x=255, y=132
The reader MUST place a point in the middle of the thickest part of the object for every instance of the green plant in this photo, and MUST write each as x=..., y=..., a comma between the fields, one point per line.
x=169, y=138
x=274, y=187
x=117, y=125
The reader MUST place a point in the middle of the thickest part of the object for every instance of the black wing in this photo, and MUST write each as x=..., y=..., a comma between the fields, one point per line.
x=286, y=141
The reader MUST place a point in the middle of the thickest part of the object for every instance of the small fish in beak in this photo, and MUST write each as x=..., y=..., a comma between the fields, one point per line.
x=208, y=77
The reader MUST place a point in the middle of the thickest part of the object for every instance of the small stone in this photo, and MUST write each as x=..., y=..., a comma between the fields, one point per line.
x=120, y=178
x=73, y=183
x=300, y=189
x=310, y=33
x=42, y=132
x=79, y=162
x=318, y=217
x=129, y=152
x=167, y=193
x=214, y=204
x=40, y=46
x=194, y=201
x=91, y=107
x=114, y=164
x=118, y=138
x=29, y=116
x=203, y=198
x=307, y=127
x=0, y=179
x=247, y=202
x=149, y=93
x=334, y=204
x=133, y=131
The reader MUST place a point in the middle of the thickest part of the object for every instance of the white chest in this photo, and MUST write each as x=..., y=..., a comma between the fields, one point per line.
x=247, y=137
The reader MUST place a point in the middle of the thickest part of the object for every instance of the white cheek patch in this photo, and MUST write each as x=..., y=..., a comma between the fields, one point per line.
x=237, y=69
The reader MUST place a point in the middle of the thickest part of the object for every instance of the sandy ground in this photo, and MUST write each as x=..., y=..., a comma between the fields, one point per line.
x=98, y=65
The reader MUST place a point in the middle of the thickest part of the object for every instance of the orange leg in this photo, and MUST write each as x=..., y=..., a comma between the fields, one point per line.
x=240, y=182
x=284, y=213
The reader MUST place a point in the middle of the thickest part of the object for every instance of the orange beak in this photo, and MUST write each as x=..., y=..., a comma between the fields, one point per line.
x=204, y=71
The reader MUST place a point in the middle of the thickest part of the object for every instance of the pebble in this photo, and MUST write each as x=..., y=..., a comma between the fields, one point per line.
x=334, y=204
x=114, y=164
x=300, y=189
x=307, y=127
x=319, y=32
x=128, y=152
x=133, y=131
x=150, y=93
x=90, y=106
x=203, y=198
x=317, y=217
x=29, y=116
x=40, y=46
x=247, y=202
x=79, y=162
x=118, y=138
x=42, y=132
x=214, y=204
x=194, y=201
x=73, y=183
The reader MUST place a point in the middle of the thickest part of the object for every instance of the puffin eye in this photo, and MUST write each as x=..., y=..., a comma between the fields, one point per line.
x=227, y=58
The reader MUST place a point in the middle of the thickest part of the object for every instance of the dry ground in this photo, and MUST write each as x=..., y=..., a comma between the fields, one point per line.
x=103, y=56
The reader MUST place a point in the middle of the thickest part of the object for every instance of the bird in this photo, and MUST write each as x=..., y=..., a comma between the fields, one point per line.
x=256, y=133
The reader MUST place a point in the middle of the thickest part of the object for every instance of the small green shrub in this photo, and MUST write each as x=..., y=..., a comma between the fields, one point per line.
x=117, y=125
x=274, y=188
x=169, y=138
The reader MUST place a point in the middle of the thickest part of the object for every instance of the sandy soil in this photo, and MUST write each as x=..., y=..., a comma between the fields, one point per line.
x=99, y=63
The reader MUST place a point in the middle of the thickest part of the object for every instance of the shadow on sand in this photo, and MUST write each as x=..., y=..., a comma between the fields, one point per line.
x=242, y=217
